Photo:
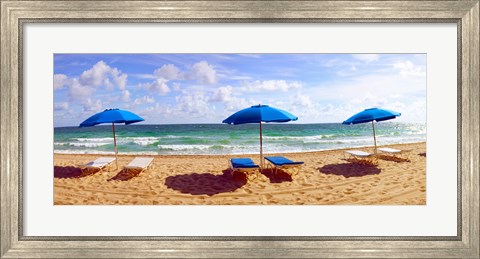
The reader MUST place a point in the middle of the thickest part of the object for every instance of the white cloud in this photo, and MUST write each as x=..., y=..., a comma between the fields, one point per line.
x=194, y=104
x=143, y=76
x=164, y=113
x=62, y=106
x=407, y=68
x=78, y=92
x=270, y=85
x=158, y=86
x=119, y=78
x=225, y=96
x=59, y=81
x=108, y=84
x=337, y=101
x=222, y=94
x=162, y=76
x=144, y=100
x=415, y=111
x=102, y=75
x=81, y=89
x=327, y=108
x=302, y=100
x=176, y=86
x=397, y=106
x=203, y=73
x=125, y=95
x=368, y=58
x=156, y=111
x=411, y=111
x=236, y=104
x=67, y=117
x=96, y=75
x=385, y=85
x=169, y=72
x=92, y=106
x=369, y=101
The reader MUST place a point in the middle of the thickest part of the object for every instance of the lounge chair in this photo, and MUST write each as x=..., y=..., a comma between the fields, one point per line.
x=362, y=157
x=394, y=152
x=389, y=150
x=358, y=153
x=139, y=163
x=282, y=163
x=244, y=165
x=99, y=163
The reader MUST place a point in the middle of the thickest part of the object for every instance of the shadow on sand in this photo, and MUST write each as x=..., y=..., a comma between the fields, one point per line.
x=206, y=183
x=350, y=169
x=72, y=172
x=279, y=177
x=125, y=175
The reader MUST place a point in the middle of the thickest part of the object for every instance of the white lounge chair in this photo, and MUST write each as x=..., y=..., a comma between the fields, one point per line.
x=389, y=150
x=99, y=163
x=359, y=153
x=139, y=163
x=394, y=152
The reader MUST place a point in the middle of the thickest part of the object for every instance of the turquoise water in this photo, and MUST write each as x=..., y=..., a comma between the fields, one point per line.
x=194, y=139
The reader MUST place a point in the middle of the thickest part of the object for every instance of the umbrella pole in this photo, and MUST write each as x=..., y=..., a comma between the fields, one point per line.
x=261, y=151
x=115, y=144
x=374, y=138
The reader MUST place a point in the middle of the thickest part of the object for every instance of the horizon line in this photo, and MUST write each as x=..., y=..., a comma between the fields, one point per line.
x=215, y=123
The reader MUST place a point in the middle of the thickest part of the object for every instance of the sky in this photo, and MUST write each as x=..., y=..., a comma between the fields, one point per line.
x=207, y=88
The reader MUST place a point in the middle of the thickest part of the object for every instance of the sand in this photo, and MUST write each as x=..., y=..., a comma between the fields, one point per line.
x=326, y=178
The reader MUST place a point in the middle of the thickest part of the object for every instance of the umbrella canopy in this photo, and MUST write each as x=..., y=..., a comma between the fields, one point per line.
x=112, y=116
x=258, y=114
x=372, y=115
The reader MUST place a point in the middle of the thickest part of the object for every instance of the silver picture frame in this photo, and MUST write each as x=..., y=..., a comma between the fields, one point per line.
x=16, y=14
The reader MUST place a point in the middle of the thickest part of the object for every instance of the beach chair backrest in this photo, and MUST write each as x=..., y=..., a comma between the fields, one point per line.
x=358, y=153
x=243, y=163
x=101, y=162
x=140, y=162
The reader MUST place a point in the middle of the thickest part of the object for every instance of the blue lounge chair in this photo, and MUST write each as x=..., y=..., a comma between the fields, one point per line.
x=282, y=163
x=244, y=165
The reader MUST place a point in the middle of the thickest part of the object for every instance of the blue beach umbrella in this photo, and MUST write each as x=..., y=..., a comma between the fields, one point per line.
x=372, y=115
x=258, y=114
x=112, y=116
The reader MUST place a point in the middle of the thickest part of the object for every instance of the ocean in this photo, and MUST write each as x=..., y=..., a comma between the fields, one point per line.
x=216, y=139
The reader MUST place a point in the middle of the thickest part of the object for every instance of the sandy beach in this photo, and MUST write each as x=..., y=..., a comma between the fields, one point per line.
x=326, y=178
